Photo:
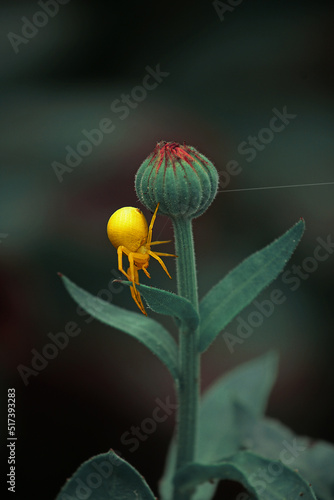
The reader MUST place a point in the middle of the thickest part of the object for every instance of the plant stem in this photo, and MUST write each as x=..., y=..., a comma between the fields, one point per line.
x=189, y=358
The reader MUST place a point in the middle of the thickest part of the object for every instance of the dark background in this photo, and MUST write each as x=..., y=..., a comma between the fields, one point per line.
x=225, y=77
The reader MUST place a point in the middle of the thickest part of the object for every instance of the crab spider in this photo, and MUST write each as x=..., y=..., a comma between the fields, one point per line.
x=128, y=232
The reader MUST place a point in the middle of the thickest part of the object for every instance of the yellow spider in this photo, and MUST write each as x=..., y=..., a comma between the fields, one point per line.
x=128, y=232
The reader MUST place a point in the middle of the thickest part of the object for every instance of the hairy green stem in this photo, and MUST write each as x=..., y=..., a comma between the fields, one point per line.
x=189, y=358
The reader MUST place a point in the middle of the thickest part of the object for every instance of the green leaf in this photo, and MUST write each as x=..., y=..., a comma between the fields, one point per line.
x=271, y=439
x=146, y=330
x=317, y=464
x=242, y=285
x=168, y=303
x=105, y=477
x=219, y=436
x=264, y=479
x=166, y=486
x=250, y=384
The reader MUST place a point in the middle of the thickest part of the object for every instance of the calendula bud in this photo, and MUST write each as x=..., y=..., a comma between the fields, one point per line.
x=178, y=177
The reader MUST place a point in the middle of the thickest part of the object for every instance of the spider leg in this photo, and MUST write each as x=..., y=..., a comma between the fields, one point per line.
x=120, y=250
x=141, y=261
x=133, y=273
x=165, y=254
x=155, y=256
x=137, y=298
x=159, y=242
x=149, y=235
x=144, y=268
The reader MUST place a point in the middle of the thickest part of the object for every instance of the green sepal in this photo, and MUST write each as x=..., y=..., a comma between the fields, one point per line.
x=242, y=285
x=148, y=331
x=106, y=477
x=178, y=177
x=163, y=302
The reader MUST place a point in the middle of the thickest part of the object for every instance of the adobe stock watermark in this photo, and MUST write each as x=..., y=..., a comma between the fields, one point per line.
x=222, y=7
x=101, y=470
x=264, y=476
x=148, y=426
x=30, y=27
x=57, y=342
x=265, y=308
x=122, y=107
x=255, y=144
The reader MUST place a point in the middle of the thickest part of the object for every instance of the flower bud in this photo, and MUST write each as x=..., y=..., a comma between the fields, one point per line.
x=178, y=177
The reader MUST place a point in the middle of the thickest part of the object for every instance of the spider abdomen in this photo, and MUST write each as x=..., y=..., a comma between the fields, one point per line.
x=127, y=227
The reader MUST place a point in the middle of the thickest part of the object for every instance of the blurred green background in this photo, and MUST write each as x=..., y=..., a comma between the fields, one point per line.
x=225, y=76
